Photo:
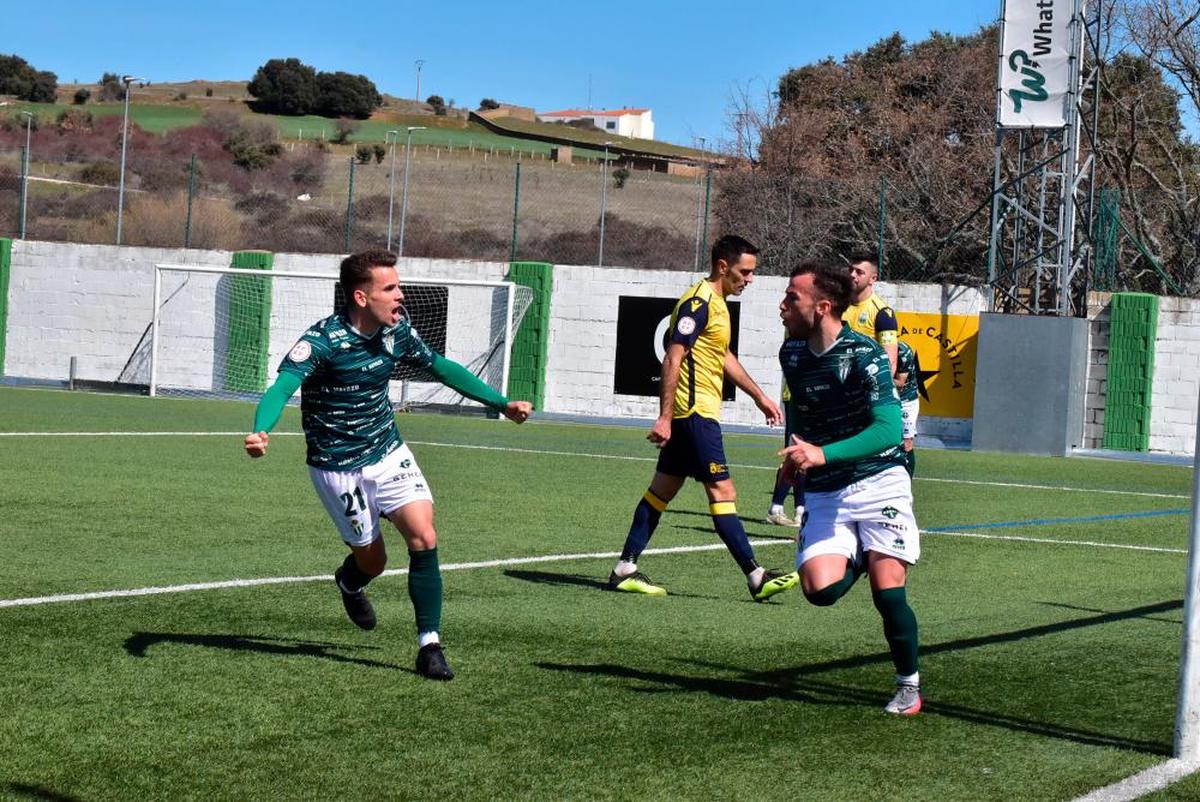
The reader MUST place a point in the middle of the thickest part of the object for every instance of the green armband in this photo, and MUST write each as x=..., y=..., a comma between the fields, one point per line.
x=271, y=405
x=461, y=380
x=882, y=434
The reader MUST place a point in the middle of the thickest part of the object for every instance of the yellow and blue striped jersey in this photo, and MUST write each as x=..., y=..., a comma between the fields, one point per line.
x=701, y=324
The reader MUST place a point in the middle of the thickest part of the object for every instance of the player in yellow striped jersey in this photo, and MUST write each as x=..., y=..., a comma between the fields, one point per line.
x=868, y=313
x=688, y=428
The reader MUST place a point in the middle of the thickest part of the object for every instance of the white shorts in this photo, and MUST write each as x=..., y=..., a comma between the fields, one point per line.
x=874, y=514
x=356, y=499
x=908, y=418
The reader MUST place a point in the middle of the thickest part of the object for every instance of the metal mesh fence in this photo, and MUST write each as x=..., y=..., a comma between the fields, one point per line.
x=464, y=202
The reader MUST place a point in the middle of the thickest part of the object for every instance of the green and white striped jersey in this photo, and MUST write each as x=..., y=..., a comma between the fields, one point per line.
x=834, y=396
x=347, y=417
x=906, y=362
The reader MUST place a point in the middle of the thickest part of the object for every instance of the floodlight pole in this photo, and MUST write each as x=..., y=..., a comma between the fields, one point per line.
x=1187, y=712
x=404, y=192
x=25, y=170
x=391, y=184
x=603, y=204
x=127, y=80
x=699, y=208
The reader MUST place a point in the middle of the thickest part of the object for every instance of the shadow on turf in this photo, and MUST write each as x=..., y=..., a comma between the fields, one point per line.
x=37, y=792
x=550, y=578
x=137, y=644
x=796, y=684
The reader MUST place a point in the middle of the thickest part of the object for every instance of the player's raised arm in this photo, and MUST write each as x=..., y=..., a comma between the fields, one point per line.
x=267, y=413
x=463, y=381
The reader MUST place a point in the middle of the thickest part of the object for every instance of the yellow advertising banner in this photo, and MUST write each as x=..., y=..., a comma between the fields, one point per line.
x=946, y=347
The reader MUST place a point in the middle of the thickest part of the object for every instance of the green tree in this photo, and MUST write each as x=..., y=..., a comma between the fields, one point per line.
x=437, y=103
x=285, y=86
x=487, y=104
x=340, y=94
x=18, y=78
x=111, y=87
x=82, y=95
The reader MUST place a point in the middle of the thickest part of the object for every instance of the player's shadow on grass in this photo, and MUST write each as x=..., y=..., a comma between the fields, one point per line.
x=138, y=643
x=38, y=792
x=550, y=578
x=708, y=530
x=743, y=518
x=797, y=683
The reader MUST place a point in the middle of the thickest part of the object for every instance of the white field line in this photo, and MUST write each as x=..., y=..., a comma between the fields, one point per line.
x=625, y=458
x=544, y=558
x=1145, y=782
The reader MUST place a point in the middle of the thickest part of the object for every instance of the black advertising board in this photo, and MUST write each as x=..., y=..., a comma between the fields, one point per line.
x=641, y=343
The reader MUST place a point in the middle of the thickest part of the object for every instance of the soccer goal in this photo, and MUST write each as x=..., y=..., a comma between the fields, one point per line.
x=220, y=332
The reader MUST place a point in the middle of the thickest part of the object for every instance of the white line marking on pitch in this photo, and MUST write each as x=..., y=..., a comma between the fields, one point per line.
x=1145, y=782
x=545, y=558
x=622, y=457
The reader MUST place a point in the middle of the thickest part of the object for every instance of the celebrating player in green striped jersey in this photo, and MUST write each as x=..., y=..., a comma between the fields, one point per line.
x=358, y=463
x=858, y=497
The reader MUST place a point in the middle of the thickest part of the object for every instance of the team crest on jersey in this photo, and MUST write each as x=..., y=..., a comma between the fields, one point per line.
x=862, y=318
x=389, y=343
x=843, y=368
x=300, y=351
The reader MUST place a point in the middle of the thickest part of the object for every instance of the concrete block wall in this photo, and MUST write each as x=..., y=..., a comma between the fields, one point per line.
x=583, y=329
x=1176, y=383
x=94, y=302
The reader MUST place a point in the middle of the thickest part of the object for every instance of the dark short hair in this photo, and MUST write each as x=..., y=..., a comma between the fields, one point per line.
x=832, y=283
x=356, y=268
x=731, y=247
x=864, y=256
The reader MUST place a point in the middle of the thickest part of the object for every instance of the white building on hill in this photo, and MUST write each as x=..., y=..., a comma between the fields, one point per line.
x=622, y=122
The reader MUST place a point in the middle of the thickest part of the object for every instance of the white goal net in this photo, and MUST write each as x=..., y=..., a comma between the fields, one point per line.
x=222, y=332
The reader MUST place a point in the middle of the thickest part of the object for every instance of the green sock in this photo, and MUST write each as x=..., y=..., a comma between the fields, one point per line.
x=899, y=627
x=425, y=589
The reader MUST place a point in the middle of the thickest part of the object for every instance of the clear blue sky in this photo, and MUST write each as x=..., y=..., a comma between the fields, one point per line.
x=685, y=61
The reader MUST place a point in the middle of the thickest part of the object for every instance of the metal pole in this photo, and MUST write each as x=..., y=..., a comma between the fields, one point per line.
x=699, y=214
x=882, y=225
x=1187, y=713
x=993, y=232
x=420, y=63
x=187, y=228
x=707, y=207
x=391, y=184
x=603, y=204
x=154, y=332
x=349, y=210
x=404, y=190
x=512, y=253
x=25, y=170
x=506, y=364
x=127, y=80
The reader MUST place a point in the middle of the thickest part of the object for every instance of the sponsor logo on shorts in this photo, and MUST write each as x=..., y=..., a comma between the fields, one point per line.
x=893, y=527
x=418, y=486
x=898, y=543
x=716, y=467
x=889, y=512
x=406, y=463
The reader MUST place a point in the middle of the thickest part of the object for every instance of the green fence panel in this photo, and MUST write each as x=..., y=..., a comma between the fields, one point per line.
x=5, y=268
x=527, y=370
x=1133, y=326
x=249, y=324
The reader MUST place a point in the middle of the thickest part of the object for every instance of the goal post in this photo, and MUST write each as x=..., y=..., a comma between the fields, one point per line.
x=220, y=332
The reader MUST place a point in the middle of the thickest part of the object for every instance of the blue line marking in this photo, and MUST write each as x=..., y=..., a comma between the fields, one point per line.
x=1053, y=521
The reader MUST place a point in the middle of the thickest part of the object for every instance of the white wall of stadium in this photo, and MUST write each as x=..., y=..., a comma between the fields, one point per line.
x=93, y=302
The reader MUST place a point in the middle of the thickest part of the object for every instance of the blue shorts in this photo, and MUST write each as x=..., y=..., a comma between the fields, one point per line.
x=695, y=449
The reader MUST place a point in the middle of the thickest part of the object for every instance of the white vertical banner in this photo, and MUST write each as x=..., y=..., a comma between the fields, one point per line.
x=1035, y=63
